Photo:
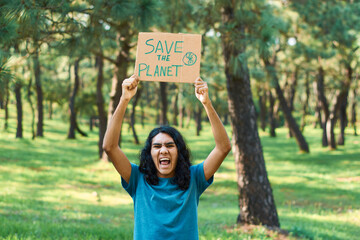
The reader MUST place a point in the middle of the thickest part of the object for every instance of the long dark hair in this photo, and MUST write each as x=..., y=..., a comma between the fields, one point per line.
x=182, y=170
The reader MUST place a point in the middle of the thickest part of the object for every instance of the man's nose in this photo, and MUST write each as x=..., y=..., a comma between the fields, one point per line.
x=163, y=149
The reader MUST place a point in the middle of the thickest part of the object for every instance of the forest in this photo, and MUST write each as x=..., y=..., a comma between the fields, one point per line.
x=275, y=68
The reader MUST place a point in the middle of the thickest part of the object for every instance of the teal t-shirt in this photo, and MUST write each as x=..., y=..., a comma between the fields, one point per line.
x=164, y=211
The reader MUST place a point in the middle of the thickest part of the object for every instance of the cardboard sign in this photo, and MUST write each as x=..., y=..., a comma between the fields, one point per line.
x=168, y=57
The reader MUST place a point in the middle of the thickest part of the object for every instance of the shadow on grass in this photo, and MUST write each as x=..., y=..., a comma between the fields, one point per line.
x=302, y=195
x=320, y=228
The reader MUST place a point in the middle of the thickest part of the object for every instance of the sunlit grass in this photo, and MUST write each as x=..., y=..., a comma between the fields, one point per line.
x=55, y=188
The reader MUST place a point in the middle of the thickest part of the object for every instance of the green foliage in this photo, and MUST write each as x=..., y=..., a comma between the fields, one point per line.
x=5, y=73
x=269, y=29
x=8, y=27
x=146, y=13
x=258, y=74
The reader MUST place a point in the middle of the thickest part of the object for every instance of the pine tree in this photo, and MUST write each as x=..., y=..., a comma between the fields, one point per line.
x=256, y=200
x=333, y=25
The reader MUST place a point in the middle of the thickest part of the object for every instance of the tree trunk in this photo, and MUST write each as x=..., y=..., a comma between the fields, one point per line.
x=330, y=125
x=344, y=103
x=175, y=108
x=39, y=92
x=28, y=97
x=91, y=123
x=286, y=95
x=318, y=118
x=132, y=116
x=157, y=108
x=1, y=99
x=181, y=106
x=188, y=117
x=353, y=112
x=272, y=118
x=6, y=104
x=142, y=119
x=339, y=106
x=71, y=133
x=256, y=200
x=100, y=103
x=306, y=102
x=19, y=129
x=197, y=115
x=82, y=133
x=343, y=122
x=263, y=108
x=120, y=72
x=338, y=101
x=226, y=119
x=163, y=101
x=50, y=109
x=294, y=128
x=292, y=91
x=320, y=92
x=291, y=121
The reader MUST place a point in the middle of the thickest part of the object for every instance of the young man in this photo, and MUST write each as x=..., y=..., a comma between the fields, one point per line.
x=165, y=187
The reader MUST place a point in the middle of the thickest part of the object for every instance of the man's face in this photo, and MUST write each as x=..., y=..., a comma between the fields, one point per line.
x=164, y=153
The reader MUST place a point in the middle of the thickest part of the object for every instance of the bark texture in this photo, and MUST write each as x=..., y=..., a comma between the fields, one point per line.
x=294, y=128
x=263, y=108
x=6, y=105
x=353, y=112
x=344, y=103
x=197, y=116
x=164, y=105
x=28, y=97
x=72, y=128
x=100, y=103
x=272, y=118
x=39, y=93
x=305, y=102
x=19, y=129
x=323, y=104
x=256, y=200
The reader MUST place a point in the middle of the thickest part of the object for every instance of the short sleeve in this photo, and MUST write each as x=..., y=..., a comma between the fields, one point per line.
x=133, y=182
x=199, y=175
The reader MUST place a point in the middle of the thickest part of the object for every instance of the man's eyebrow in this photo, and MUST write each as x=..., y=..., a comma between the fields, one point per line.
x=168, y=143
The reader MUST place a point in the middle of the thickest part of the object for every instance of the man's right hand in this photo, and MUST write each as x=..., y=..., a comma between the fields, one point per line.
x=129, y=87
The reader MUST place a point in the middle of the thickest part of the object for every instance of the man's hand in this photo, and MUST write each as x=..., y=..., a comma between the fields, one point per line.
x=129, y=87
x=201, y=91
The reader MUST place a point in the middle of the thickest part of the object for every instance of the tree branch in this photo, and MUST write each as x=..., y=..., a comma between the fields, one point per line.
x=98, y=53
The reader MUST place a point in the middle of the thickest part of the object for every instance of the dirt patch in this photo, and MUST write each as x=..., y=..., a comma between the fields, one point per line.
x=39, y=169
x=100, y=170
x=349, y=179
x=273, y=233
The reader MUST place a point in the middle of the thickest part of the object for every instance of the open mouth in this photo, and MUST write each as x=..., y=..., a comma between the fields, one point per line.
x=164, y=161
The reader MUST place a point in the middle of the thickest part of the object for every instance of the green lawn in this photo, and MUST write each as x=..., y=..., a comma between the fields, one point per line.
x=54, y=188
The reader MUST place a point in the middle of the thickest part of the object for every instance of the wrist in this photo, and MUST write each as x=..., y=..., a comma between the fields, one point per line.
x=124, y=99
x=207, y=103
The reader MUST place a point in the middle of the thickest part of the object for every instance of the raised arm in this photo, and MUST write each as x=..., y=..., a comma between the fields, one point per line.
x=111, y=138
x=222, y=142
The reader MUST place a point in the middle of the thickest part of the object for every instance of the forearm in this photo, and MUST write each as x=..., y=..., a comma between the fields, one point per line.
x=220, y=136
x=222, y=142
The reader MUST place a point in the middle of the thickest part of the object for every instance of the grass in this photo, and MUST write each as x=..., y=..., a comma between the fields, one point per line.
x=55, y=188
x=318, y=194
